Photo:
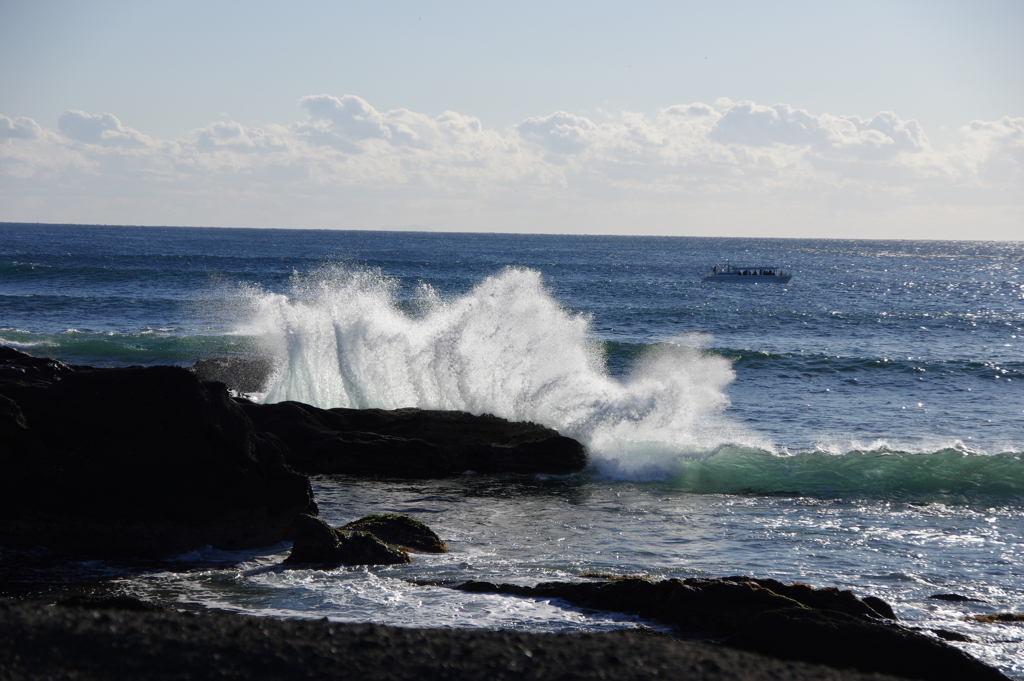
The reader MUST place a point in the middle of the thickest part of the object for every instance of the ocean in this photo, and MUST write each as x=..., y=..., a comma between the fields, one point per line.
x=860, y=427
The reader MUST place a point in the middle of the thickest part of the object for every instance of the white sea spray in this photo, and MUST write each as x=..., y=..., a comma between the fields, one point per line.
x=346, y=337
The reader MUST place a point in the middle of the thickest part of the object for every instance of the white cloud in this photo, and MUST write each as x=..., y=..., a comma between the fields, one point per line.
x=688, y=168
x=104, y=129
x=235, y=137
x=21, y=128
x=560, y=132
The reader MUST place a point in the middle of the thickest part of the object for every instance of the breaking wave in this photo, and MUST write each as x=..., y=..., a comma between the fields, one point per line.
x=353, y=338
x=350, y=337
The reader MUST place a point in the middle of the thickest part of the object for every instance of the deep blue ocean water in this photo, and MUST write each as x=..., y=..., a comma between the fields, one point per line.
x=862, y=426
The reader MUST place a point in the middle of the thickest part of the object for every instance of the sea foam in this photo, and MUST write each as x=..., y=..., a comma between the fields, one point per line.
x=351, y=337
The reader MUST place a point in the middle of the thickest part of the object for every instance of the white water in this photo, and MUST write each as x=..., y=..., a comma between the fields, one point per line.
x=343, y=339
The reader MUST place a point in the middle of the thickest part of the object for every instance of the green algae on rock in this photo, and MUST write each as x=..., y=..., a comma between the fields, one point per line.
x=399, y=530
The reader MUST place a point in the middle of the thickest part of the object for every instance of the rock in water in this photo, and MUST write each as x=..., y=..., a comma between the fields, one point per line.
x=840, y=640
x=317, y=543
x=138, y=461
x=786, y=621
x=399, y=530
x=413, y=443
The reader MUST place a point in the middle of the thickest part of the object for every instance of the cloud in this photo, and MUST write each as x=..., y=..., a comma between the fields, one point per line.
x=19, y=128
x=560, y=172
x=884, y=136
x=341, y=122
x=235, y=137
x=103, y=129
x=560, y=132
x=995, y=149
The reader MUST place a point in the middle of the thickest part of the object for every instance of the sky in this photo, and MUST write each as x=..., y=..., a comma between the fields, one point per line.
x=788, y=119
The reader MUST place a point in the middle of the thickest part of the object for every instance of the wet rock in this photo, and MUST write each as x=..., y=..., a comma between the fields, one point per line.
x=138, y=461
x=1005, y=617
x=749, y=614
x=413, y=443
x=828, y=598
x=243, y=374
x=697, y=607
x=399, y=530
x=881, y=607
x=362, y=548
x=844, y=641
x=955, y=598
x=315, y=542
x=700, y=608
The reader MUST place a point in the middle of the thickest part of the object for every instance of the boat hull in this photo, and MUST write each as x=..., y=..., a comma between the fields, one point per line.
x=730, y=277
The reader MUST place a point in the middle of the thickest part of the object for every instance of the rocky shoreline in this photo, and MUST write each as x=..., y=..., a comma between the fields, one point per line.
x=146, y=462
x=88, y=644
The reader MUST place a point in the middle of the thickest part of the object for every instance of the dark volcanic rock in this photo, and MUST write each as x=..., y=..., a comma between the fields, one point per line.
x=955, y=598
x=39, y=642
x=839, y=640
x=828, y=598
x=700, y=608
x=399, y=530
x=413, y=443
x=315, y=542
x=139, y=461
x=824, y=626
x=243, y=374
x=697, y=607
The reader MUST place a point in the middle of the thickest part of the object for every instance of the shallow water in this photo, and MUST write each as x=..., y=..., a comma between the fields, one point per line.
x=527, y=530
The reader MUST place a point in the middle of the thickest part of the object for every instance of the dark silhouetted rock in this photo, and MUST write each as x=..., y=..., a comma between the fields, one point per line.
x=413, y=443
x=362, y=548
x=745, y=613
x=138, y=461
x=399, y=530
x=955, y=598
x=843, y=641
x=881, y=607
x=40, y=643
x=315, y=542
x=243, y=374
x=699, y=608
x=828, y=598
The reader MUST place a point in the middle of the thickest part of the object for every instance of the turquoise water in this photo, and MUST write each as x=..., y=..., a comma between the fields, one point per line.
x=862, y=426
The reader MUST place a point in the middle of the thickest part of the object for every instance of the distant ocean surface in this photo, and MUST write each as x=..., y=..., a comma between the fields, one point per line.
x=860, y=427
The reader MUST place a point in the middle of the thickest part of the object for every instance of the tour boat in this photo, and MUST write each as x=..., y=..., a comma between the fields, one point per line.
x=750, y=275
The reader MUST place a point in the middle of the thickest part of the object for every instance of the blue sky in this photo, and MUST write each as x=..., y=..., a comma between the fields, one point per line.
x=859, y=119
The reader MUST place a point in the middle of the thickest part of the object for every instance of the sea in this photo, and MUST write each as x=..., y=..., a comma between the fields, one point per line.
x=860, y=427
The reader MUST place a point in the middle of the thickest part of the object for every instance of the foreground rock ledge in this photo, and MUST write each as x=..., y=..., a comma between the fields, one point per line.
x=39, y=642
x=788, y=621
x=136, y=461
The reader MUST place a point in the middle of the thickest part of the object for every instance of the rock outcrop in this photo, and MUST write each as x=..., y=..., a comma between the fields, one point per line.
x=792, y=622
x=39, y=642
x=847, y=642
x=317, y=543
x=412, y=443
x=399, y=530
x=137, y=461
